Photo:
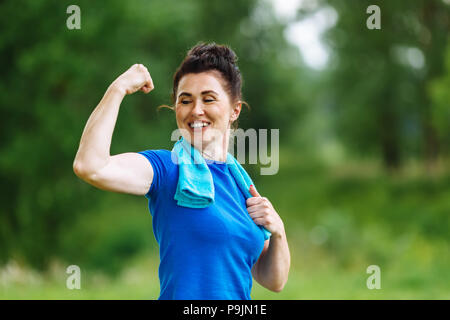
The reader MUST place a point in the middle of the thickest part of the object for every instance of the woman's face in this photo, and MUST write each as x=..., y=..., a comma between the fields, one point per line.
x=204, y=110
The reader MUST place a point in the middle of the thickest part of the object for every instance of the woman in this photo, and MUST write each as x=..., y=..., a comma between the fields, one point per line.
x=208, y=251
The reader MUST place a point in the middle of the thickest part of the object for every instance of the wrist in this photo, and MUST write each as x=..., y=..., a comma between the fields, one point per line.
x=115, y=87
x=279, y=233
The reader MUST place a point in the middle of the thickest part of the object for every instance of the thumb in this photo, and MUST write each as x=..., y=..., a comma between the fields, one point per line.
x=253, y=191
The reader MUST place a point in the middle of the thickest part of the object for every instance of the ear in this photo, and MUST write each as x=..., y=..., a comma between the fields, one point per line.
x=236, y=111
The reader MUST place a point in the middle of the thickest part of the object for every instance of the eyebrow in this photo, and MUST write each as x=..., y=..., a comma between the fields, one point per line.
x=203, y=93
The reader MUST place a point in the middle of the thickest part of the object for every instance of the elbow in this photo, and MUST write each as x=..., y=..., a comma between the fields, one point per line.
x=78, y=169
x=275, y=286
x=81, y=171
x=278, y=288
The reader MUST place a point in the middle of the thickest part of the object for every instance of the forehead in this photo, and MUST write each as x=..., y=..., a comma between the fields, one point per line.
x=195, y=83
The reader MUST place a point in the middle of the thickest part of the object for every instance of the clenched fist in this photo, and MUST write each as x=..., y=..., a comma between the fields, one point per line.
x=263, y=213
x=135, y=78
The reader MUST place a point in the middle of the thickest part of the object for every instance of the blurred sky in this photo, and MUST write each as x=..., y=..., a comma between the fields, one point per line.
x=305, y=34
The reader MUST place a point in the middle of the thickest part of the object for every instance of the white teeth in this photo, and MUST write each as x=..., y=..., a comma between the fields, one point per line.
x=199, y=124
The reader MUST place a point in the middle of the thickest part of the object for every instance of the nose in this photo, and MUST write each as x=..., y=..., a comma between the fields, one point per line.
x=198, y=109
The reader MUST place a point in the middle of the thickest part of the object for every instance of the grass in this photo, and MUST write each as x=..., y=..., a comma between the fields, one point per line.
x=328, y=281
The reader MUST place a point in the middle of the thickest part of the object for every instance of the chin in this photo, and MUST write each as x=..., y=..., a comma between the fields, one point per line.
x=201, y=143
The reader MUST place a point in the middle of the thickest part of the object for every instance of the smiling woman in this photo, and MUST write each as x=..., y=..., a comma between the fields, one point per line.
x=203, y=107
x=208, y=83
x=214, y=229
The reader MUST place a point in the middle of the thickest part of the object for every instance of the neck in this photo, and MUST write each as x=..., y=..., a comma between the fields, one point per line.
x=217, y=149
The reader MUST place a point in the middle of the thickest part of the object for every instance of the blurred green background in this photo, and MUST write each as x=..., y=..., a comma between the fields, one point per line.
x=364, y=116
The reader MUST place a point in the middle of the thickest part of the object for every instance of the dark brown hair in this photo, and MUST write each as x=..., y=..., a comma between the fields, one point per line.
x=212, y=57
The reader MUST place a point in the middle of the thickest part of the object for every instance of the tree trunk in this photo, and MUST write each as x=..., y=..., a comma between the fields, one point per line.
x=436, y=24
x=389, y=140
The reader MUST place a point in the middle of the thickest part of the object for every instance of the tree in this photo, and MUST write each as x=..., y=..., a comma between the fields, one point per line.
x=378, y=78
x=53, y=77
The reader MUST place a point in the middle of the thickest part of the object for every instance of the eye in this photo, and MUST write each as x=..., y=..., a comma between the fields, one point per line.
x=209, y=100
x=185, y=102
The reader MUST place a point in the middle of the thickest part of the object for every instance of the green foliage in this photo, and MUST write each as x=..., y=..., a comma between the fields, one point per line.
x=440, y=95
x=378, y=78
x=375, y=103
x=53, y=77
x=107, y=237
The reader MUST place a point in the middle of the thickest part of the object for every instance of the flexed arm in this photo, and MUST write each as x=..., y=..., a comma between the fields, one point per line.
x=127, y=172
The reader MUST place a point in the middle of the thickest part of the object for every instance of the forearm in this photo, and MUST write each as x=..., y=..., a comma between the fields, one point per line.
x=95, y=143
x=274, y=265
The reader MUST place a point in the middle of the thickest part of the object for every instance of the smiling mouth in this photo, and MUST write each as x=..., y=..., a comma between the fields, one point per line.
x=199, y=125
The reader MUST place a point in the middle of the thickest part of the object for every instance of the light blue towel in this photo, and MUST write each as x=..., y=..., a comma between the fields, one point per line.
x=195, y=188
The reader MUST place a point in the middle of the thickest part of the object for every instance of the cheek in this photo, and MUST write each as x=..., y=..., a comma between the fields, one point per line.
x=179, y=114
x=179, y=120
x=223, y=114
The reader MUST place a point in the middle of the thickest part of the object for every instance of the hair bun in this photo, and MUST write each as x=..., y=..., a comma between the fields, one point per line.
x=212, y=51
x=205, y=57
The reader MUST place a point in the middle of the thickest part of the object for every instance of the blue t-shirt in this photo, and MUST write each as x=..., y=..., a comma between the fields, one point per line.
x=204, y=253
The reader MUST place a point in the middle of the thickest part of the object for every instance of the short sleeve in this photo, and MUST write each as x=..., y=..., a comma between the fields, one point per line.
x=158, y=161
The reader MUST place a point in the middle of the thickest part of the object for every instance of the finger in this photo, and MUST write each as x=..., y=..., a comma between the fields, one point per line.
x=253, y=191
x=148, y=79
x=256, y=208
x=261, y=221
x=149, y=83
x=145, y=89
x=253, y=201
x=256, y=215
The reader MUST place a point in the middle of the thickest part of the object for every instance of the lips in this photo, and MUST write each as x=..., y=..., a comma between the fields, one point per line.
x=199, y=124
